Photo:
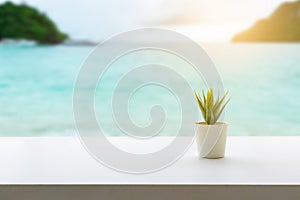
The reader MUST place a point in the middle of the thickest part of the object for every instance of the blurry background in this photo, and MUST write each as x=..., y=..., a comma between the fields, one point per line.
x=254, y=45
x=201, y=20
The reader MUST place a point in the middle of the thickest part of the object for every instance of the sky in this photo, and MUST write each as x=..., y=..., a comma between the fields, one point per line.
x=201, y=20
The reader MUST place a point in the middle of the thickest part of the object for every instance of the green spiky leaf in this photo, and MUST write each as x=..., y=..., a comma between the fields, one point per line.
x=200, y=103
x=210, y=108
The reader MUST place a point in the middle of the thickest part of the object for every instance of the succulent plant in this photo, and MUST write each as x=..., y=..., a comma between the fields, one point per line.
x=211, y=109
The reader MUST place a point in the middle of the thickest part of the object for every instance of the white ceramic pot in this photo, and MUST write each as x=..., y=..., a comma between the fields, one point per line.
x=211, y=140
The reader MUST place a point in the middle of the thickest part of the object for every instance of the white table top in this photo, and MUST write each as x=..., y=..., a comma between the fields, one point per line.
x=63, y=160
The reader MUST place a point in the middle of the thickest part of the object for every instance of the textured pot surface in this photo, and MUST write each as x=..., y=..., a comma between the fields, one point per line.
x=211, y=140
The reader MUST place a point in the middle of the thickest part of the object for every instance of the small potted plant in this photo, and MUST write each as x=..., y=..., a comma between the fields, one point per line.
x=211, y=134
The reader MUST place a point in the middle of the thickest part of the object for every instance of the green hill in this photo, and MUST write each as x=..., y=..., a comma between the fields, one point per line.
x=25, y=22
x=283, y=25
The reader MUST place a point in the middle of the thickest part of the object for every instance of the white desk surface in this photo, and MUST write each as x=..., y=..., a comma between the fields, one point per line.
x=63, y=160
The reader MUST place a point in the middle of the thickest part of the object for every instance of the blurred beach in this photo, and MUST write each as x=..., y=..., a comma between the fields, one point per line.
x=37, y=83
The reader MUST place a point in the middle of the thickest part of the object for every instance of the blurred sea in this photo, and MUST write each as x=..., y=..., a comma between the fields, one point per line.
x=36, y=85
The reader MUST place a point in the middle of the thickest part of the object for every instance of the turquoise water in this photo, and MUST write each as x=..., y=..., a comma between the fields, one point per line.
x=36, y=84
